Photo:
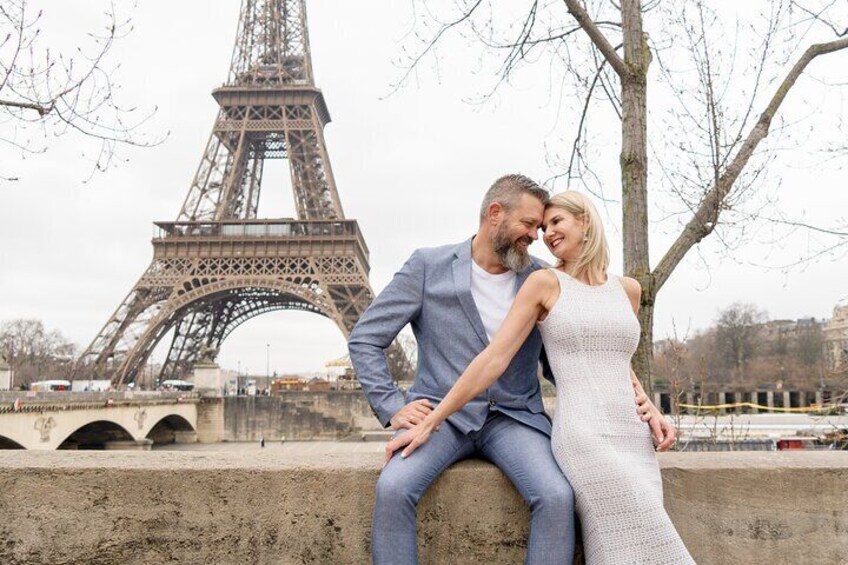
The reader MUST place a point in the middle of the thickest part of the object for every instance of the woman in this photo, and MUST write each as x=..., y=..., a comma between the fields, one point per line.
x=590, y=331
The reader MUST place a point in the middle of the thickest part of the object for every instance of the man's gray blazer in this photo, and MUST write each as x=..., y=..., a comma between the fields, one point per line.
x=432, y=292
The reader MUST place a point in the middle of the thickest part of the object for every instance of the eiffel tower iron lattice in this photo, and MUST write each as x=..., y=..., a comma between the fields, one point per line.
x=218, y=265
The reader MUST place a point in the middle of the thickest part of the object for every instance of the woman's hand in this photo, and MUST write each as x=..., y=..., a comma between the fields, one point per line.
x=412, y=439
x=663, y=433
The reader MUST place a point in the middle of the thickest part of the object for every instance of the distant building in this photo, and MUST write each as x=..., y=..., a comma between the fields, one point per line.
x=775, y=330
x=296, y=382
x=340, y=372
x=338, y=367
x=288, y=382
x=316, y=384
x=836, y=340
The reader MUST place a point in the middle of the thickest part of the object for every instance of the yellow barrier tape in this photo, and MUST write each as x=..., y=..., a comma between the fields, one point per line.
x=759, y=407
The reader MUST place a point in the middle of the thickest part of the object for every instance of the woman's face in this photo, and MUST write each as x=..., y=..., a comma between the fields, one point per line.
x=563, y=233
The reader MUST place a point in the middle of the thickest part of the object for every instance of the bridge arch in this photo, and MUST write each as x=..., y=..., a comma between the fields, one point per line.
x=8, y=443
x=166, y=429
x=94, y=435
x=299, y=293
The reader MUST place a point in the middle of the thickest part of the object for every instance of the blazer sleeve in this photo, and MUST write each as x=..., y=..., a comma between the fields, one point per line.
x=398, y=304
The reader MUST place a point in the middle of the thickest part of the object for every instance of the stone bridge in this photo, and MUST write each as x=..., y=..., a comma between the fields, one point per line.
x=137, y=420
x=114, y=420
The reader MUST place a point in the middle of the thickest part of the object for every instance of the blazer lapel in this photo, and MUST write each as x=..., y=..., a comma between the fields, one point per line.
x=462, y=284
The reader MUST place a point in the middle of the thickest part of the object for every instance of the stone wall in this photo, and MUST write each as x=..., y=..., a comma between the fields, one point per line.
x=349, y=406
x=296, y=415
x=216, y=507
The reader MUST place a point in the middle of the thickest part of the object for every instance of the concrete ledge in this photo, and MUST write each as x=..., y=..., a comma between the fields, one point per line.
x=215, y=507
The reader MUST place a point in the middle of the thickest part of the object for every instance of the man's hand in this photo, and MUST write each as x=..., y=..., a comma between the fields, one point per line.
x=411, y=415
x=662, y=432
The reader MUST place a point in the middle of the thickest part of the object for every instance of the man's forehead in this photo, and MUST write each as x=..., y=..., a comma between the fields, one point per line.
x=530, y=205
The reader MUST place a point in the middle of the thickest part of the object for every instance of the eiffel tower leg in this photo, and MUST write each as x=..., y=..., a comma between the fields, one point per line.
x=205, y=192
x=252, y=184
x=120, y=334
x=231, y=202
x=315, y=196
x=189, y=337
x=351, y=299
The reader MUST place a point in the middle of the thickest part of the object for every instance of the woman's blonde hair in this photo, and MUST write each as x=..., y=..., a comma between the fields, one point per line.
x=595, y=255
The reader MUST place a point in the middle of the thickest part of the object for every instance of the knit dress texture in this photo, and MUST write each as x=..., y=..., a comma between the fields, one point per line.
x=598, y=440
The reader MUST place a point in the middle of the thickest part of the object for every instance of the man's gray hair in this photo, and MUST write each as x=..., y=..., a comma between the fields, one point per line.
x=508, y=189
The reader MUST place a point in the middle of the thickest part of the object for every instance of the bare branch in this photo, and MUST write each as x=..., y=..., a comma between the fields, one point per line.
x=817, y=16
x=431, y=44
x=576, y=9
x=807, y=226
x=706, y=216
x=41, y=109
x=581, y=125
x=44, y=95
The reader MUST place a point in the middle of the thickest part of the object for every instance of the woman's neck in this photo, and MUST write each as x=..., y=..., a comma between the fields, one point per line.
x=586, y=275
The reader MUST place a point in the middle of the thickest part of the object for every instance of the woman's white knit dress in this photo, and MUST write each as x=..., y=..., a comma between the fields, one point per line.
x=598, y=440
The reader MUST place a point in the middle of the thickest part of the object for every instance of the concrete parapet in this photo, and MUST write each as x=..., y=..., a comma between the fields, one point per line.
x=217, y=507
x=64, y=398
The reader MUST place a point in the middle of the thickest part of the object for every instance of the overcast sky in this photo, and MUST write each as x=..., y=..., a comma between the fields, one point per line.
x=410, y=167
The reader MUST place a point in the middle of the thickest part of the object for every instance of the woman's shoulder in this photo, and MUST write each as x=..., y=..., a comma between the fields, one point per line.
x=631, y=287
x=629, y=283
x=543, y=277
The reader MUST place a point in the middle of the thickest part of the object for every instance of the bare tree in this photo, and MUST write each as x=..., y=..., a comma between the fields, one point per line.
x=708, y=151
x=34, y=352
x=808, y=348
x=737, y=337
x=46, y=94
x=674, y=370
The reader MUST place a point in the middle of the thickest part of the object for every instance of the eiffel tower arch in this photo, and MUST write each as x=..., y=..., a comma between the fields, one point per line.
x=219, y=265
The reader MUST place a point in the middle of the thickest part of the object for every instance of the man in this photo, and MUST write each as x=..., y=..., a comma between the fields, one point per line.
x=455, y=297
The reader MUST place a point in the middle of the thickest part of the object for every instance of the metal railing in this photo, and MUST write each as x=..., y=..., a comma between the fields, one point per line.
x=260, y=228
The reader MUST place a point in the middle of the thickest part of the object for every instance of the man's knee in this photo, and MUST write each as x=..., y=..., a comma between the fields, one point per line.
x=394, y=487
x=558, y=497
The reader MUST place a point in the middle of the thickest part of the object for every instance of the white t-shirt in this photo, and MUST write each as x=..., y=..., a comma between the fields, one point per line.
x=493, y=295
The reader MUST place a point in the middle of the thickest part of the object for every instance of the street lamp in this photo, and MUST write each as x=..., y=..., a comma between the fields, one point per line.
x=267, y=362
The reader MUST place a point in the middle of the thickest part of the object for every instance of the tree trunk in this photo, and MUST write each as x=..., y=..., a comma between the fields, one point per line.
x=634, y=176
x=644, y=356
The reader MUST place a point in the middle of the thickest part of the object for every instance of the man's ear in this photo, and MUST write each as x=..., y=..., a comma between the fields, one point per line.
x=495, y=212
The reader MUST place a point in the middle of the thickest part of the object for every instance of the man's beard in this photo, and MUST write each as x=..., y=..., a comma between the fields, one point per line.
x=512, y=254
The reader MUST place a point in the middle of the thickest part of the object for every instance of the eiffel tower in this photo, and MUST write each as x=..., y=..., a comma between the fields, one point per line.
x=218, y=265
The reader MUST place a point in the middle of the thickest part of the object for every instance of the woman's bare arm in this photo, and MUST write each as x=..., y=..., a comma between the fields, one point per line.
x=535, y=297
